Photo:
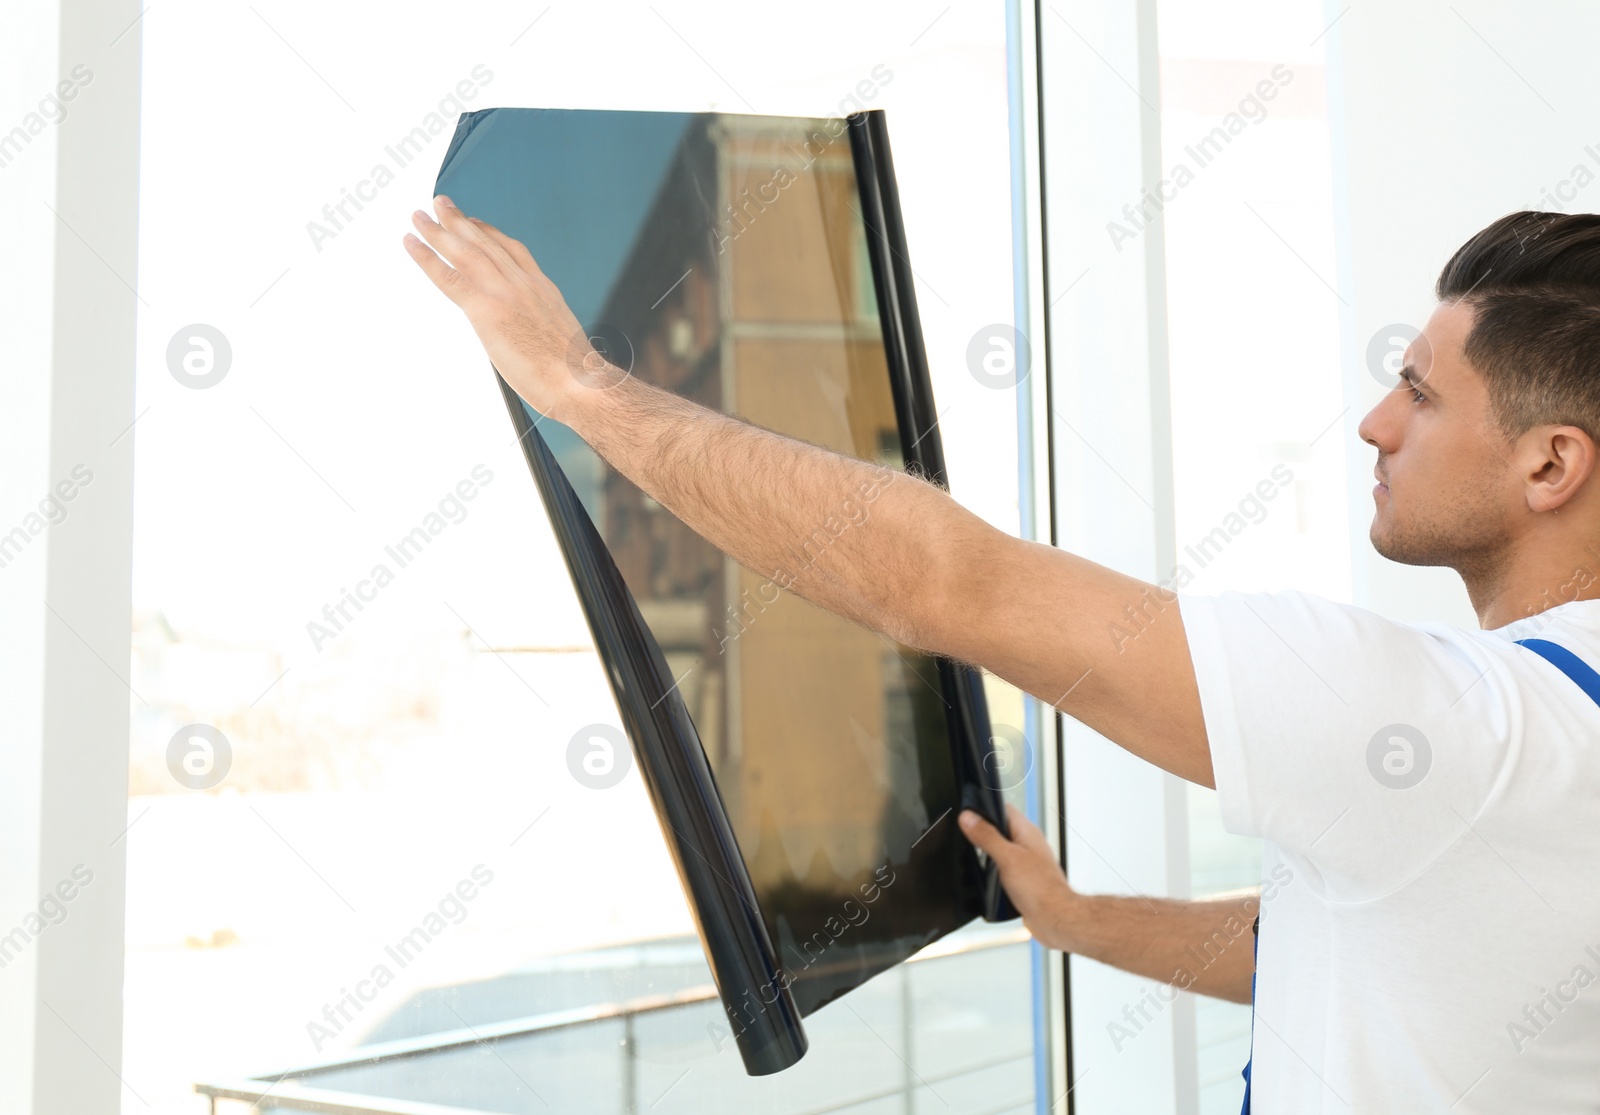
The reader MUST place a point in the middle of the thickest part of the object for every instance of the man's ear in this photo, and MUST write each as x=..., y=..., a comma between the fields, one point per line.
x=1557, y=461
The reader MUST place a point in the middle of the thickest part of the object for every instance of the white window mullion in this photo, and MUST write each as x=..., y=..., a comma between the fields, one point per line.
x=66, y=470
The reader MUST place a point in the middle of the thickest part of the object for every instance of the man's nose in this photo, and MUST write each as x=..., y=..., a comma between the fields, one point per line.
x=1379, y=427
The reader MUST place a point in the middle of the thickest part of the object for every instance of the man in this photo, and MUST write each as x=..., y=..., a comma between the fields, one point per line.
x=1429, y=797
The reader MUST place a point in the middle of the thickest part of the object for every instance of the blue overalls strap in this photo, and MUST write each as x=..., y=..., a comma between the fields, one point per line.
x=1568, y=663
x=1582, y=674
x=1255, y=948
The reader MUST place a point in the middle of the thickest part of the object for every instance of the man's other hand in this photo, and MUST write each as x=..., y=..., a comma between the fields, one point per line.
x=1028, y=870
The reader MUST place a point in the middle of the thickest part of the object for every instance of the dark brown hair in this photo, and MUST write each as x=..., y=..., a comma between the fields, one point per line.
x=1533, y=283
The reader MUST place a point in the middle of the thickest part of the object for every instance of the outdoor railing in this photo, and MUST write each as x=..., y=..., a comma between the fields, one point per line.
x=285, y=1090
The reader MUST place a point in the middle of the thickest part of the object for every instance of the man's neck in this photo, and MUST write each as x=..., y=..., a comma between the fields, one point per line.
x=1545, y=574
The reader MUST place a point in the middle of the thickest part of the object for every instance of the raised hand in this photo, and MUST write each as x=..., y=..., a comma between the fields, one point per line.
x=523, y=321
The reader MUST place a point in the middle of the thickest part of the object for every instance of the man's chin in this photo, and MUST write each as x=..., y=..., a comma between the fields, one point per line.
x=1402, y=553
x=1383, y=541
x=1379, y=539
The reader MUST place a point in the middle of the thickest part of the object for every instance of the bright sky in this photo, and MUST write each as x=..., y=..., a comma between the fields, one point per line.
x=358, y=397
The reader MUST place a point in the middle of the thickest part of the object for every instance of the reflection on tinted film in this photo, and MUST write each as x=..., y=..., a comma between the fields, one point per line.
x=725, y=258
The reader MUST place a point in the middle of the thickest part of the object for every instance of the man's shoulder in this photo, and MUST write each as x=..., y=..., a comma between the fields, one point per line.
x=1326, y=624
x=1577, y=620
x=1294, y=609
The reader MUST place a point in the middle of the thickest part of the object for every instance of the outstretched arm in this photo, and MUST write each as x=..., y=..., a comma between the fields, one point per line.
x=1205, y=946
x=918, y=567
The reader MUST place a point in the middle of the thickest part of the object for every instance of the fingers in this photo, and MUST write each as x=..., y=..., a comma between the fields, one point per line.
x=475, y=232
x=986, y=836
x=442, y=274
x=516, y=249
x=510, y=258
x=457, y=249
x=508, y=253
x=460, y=238
x=1025, y=835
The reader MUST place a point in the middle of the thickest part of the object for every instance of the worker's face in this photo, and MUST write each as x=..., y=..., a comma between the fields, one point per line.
x=1445, y=494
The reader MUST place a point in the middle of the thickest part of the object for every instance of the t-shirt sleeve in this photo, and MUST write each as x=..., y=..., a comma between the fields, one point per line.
x=1363, y=745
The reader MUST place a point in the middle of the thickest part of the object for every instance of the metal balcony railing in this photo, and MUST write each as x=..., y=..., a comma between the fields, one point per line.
x=289, y=1089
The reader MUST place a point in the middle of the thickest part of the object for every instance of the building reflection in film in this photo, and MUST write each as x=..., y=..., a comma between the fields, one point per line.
x=748, y=289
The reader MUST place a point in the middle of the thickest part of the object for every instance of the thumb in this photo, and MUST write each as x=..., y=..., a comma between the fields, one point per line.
x=985, y=835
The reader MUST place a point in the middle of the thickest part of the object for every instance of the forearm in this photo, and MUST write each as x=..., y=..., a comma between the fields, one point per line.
x=855, y=538
x=1205, y=946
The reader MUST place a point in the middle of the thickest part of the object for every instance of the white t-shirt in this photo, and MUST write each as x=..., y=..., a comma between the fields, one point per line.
x=1430, y=802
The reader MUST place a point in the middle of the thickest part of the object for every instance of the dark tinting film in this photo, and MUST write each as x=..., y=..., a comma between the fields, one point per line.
x=807, y=771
